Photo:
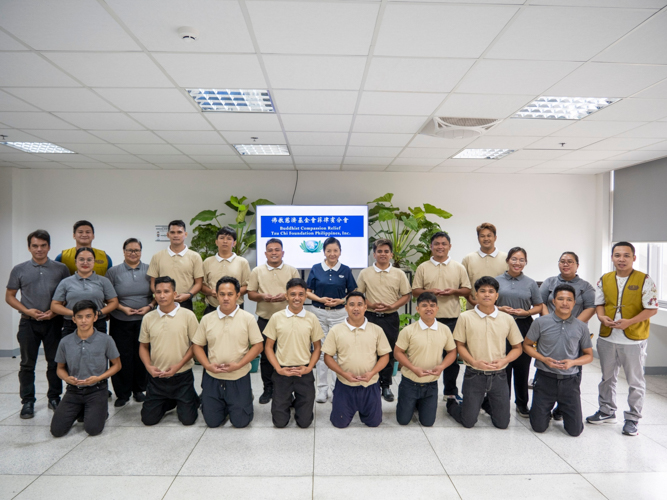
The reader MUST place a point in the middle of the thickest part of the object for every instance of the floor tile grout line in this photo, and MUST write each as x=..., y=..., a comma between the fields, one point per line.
x=26, y=486
x=440, y=461
x=312, y=477
x=184, y=462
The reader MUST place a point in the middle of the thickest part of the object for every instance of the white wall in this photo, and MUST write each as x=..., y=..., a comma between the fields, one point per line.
x=7, y=325
x=546, y=214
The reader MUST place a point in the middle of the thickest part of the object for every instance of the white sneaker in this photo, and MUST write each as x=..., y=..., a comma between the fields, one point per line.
x=322, y=395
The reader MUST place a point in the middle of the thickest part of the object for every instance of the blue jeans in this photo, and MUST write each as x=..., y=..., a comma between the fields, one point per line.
x=477, y=384
x=423, y=397
x=221, y=398
x=348, y=400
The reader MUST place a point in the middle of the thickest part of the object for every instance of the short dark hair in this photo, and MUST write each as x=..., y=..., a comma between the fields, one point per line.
x=228, y=279
x=132, y=240
x=83, y=305
x=576, y=257
x=177, y=222
x=80, y=223
x=441, y=234
x=381, y=243
x=427, y=297
x=487, y=280
x=565, y=288
x=514, y=250
x=40, y=234
x=623, y=244
x=83, y=249
x=486, y=225
x=331, y=241
x=226, y=231
x=274, y=240
x=355, y=293
x=166, y=279
x=294, y=282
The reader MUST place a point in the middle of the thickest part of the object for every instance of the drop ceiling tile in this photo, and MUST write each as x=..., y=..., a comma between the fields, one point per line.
x=437, y=30
x=373, y=151
x=86, y=149
x=644, y=45
x=639, y=156
x=9, y=43
x=366, y=160
x=364, y=168
x=427, y=141
x=564, y=33
x=216, y=159
x=162, y=159
x=110, y=69
x=499, y=170
x=544, y=171
x=335, y=102
x=32, y=120
x=64, y=25
x=658, y=91
x=563, y=143
x=657, y=130
x=635, y=4
x=129, y=136
x=269, y=166
x=253, y=122
x=313, y=27
x=262, y=138
x=454, y=170
x=483, y=106
x=538, y=154
x=149, y=18
x=314, y=72
x=466, y=163
x=587, y=128
x=172, y=121
x=253, y=160
x=180, y=166
x=67, y=158
x=11, y=103
x=658, y=146
x=512, y=162
x=560, y=164
x=585, y=154
x=440, y=153
x=190, y=137
x=100, y=121
x=500, y=142
x=316, y=166
x=87, y=165
x=586, y=171
x=13, y=155
x=149, y=100
x=514, y=77
x=30, y=70
x=646, y=110
x=114, y=159
x=317, y=160
x=63, y=99
x=608, y=80
x=418, y=162
x=609, y=165
x=41, y=165
x=317, y=138
x=316, y=123
x=213, y=70
x=526, y=127
x=206, y=149
x=621, y=144
x=135, y=166
x=67, y=136
x=150, y=149
x=364, y=139
x=317, y=150
x=18, y=136
x=399, y=103
x=416, y=75
x=389, y=124
x=407, y=168
x=226, y=166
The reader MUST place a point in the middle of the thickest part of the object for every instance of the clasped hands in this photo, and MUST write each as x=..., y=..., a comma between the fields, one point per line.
x=293, y=371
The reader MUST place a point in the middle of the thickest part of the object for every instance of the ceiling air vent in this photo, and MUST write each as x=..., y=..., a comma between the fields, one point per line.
x=449, y=127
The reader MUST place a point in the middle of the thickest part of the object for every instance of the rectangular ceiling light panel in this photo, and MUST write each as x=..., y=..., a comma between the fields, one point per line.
x=563, y=108
x=262, y=149
x=233, y=100
x=483, y=154
x=37, y=147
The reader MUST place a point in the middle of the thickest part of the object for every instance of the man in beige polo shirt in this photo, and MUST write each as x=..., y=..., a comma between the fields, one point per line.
x=387, y=289
x=481, y=337
x=419, y=349
x=447, y=280
x=266, y=286
x=234, y=340
x=362, y=351
x=487, y=261
x=166, y=350
x=224, y=263
x=180, y=263
x=292, y=331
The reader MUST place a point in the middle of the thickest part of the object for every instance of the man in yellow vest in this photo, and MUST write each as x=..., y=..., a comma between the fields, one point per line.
x=625, y=300
x=84, y=234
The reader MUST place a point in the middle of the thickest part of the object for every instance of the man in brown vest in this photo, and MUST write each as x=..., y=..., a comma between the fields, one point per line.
x=625, y=299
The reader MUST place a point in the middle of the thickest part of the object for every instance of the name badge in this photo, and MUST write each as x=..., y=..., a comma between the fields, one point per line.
x=341, y=276
x=633, y=287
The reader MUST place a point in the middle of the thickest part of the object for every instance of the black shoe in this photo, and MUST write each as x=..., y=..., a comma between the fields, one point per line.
x=120, y=402
x=486, y=406
x=387, y=394
x=28, y=410
x=109, y=393
x=557, y=415
x=139, y=397
x=451, y=402
x=266, y=397
x=53, y=404
x=522, y=411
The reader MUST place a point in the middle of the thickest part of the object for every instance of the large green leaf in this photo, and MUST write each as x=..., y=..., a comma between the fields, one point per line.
x=261, y=201
x=240, y=217
x=232, y=206
x=430, y=209
x=387, y=197
x=410, y=222
x=205, y=216
x=386, y=215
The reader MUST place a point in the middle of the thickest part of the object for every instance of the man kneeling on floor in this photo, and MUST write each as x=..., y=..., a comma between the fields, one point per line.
x=481, y=335
x=293, y=330
x=82, y=358
x=363, y=351
x=229, y=332
x=561, y=339
x=168, y=331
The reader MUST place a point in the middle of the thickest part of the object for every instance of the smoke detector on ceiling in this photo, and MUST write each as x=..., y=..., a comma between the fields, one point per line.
x=188, y=33
x=448, y=127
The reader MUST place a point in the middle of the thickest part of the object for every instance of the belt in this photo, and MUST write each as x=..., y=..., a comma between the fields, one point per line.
x=329, y=308
x=557, y=375
x=381, y=315
x=482, y=372
x=99, y=385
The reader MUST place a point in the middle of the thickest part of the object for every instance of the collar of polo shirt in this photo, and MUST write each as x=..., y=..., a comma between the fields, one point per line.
x=301, y=314
x=182, y=253
x=492, y=254
x=80, y=278
x=482, y=315
x=172, y=313
x=508, y=276
x=558, y=319
x=45, y=263
x=352, y=328
x=436, y=263
x=127, y=266
x=272, y=268
x=573, y=280
x=229, y=259
x=378, y=270
x=222, y=315
x=327, y=268
x=424, y=326
x=80, y=340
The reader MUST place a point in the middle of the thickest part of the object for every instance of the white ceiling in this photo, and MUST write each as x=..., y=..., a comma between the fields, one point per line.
x=353, y=82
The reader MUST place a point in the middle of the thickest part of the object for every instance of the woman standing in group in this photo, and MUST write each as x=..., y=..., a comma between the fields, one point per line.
x=135, y=298
x=520, y=297
x=84, y=284
x=328, y=285
x=584, y=305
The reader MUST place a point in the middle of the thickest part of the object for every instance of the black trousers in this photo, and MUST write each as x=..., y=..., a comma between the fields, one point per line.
x=164, y=394
x=303, y=389
x=548, y=389
x=92, y=401
x=265, y=367
x=69, y=326
x=451, y=373
x=227, y=398
x=476, y=386
x=415, y=396
x=187, y=304
x=390, y=323
x=31, y=334
x=132, y=377
x=520, y=367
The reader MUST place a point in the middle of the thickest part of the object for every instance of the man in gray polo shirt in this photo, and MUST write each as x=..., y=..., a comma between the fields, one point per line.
x=563, y=345
x=82, y=363
x=37, y=279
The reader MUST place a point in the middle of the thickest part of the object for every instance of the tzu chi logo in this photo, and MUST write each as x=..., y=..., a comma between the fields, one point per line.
x=311, y=246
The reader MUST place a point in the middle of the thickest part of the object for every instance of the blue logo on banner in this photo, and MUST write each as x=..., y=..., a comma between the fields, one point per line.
x=295, y=226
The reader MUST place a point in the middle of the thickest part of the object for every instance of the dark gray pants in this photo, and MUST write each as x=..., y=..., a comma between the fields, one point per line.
x=164, y=394
x=422, y=397
x=549, y=389
x=265, y=367
x=476, y=385
x=132, y=377
x=31, y=334
x=91, y=401
x=451, y=373
x=390, y=324
x=222, y=398
x=303, y=389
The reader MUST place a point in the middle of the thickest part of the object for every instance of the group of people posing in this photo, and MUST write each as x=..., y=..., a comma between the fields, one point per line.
x=352, y=338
